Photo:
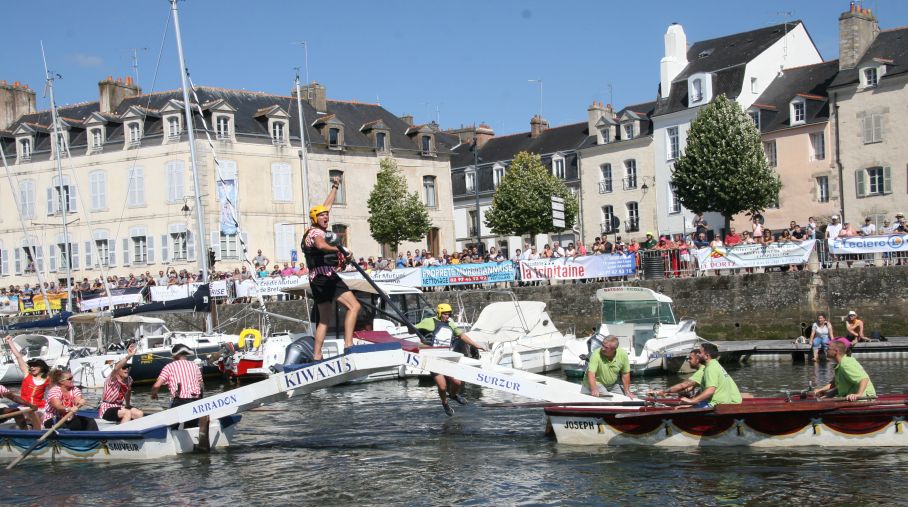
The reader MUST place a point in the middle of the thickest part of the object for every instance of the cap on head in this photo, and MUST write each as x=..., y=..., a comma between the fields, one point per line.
x=315, y=211
x=852, y=313
x=180, y=350
x=835, y=217
x=899, y=214
x=649, y=233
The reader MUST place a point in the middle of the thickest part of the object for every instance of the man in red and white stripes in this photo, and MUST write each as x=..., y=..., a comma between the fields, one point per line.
x=115, y=402
x=184, y=380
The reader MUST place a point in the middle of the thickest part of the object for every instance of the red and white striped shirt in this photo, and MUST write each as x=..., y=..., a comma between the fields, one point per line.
x=183, y=378
x=67, y=398
x=309, y=242
x=114, y=393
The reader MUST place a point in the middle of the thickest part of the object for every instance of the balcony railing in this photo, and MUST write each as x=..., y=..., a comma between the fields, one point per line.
x=632, y=225
x=629, y=183
x=605, y=186
x=605, y=227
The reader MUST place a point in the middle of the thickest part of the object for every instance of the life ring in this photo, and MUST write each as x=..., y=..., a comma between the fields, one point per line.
x=255, y=333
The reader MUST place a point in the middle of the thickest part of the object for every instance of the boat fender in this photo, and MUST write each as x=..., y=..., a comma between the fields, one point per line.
x=300, y=351
x=516, y=361
x=256, y=338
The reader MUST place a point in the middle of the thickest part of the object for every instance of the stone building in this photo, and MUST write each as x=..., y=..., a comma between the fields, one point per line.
x=474, y=182
x=617, y=172
x=870, y=96
x=127, y=183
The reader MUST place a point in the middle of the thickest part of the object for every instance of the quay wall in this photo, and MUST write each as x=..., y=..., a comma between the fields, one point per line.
x=738, y=307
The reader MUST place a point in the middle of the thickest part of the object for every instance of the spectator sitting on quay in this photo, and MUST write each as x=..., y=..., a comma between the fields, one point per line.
x=869, y=228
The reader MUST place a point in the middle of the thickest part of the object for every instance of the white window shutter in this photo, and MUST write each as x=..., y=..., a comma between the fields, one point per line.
x=887, y=180
x=111, y=252
x=859, y=183
x=88, y=247
x=149, y=242
x=276, y=182
x=18, y=260
x=52, y=258
x=73, y=200
x=216, y=244
x=4, y=262
x=40, y=257
x=51, y=201
x=190, y=244
x=165, y=251
x=126, y=259
x=74, y=253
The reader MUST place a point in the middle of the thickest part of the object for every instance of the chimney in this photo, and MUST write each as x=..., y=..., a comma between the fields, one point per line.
x=408, y=119
x=858, y=29
x=675, y=58
x=15, y=100
x=538, y=125
x=593, y=114
x=483, y=134
x=111, y=93
x=316, y=96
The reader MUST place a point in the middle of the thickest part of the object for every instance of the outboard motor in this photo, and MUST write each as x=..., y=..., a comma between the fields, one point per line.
x=300, y=351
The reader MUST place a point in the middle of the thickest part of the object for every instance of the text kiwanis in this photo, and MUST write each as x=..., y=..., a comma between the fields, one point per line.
x=317, y=372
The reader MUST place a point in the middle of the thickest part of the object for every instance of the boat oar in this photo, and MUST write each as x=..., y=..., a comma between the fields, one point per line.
x=17, y=413
x=43, y=437
x=545, y=404
x=654, y=413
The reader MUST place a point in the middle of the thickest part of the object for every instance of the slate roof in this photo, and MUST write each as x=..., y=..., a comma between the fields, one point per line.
x=644, y=110
x=889, y=45
x=724, y=57
x=809, y=82
x=246, y=125
x=504, y=148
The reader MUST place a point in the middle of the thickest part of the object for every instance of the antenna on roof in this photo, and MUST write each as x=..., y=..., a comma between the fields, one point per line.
x=135, y=61
x=611, y=99
x=539, y=81
x=786, y=17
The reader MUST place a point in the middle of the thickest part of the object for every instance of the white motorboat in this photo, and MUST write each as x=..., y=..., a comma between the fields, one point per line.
x=646, y=327
x=519, y=335
x=55, y=351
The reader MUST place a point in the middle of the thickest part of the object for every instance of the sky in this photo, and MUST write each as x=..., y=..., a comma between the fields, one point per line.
x=456, y=62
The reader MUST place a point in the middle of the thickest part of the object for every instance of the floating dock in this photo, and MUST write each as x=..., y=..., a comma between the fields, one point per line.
x=783, y=350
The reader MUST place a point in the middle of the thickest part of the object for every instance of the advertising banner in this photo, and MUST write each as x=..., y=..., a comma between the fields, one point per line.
x=9, y=305
x=270, y=286
x=869, y=244
x=755, y=255
x=169, y=292
x=573, y=268
x=35, y=303
x=411, y=277
x=126, y=296
x=458, y=274
x=227, y=201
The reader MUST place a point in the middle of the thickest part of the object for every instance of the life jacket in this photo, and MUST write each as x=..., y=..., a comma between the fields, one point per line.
x=33, y=393
x=316, y=257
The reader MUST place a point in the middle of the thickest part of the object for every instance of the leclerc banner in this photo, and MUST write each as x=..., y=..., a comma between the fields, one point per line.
x=572, y=268
x=754, y=255
x=458, y=274
x=869, y=244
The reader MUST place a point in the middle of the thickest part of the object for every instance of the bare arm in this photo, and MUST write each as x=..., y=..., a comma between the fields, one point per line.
x=156, y=387
x=17, y=399
x=329, y=201
x=705, y=395
x=131, y=351
x=591, y=382
x=626, y=381
x=682, y=386
x=470, y=341
x=18, y=355
x=862, y=386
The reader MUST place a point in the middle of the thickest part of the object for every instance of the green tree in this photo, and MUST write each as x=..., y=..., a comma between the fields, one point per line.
x=522, y=204
x=723, y=168
x=394, y=214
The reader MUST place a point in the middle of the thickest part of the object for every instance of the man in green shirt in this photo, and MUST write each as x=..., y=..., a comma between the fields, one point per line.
x=850, y=381
x=607, y=366
x=650, y=242
x=718, y=386
x=440, y=331
x=690, y=383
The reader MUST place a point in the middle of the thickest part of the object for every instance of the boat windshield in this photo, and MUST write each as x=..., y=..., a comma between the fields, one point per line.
x=637, y=312
x=414, y=306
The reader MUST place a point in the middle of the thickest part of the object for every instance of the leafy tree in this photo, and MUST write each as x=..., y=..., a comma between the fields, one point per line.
x=522, y=204
x=394, y=214
x=723, y=168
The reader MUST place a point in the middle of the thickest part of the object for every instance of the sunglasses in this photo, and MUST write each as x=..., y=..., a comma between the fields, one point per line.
x=67, y=378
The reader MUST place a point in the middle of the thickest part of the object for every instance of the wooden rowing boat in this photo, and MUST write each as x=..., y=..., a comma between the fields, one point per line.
x=760, y=422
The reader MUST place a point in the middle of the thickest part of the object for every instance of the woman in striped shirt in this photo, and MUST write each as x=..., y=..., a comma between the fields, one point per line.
x=115, y=405
x=62, y=398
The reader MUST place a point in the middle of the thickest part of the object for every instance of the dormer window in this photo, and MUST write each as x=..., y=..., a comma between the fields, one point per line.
x=798, y=112
x=696, y=90
x=96, y=136
x=135, y=135
x=871, y=77
x=497, y=174
x=470, y=180
x=558, y=166
x=426, y=145
x=381, y=141
x=333, y=137
x=173, y=128
x=222, y=127
x=629, y=131
x=25, y=150
x=278, y=129
x=606, y=135
x=755, y=117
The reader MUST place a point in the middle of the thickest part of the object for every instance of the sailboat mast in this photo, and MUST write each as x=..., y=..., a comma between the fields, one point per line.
x=63, y=204
x=202, y=252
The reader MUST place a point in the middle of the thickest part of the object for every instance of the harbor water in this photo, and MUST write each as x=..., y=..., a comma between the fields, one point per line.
x=389, y=443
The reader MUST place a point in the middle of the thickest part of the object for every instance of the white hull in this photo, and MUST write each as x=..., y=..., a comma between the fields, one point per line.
x=10, y=373
x=593, y=431
x=159, y=443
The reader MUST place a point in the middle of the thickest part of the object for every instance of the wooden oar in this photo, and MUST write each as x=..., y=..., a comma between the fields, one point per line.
x=663, y=412
x=43, y=437
x=19, y=412
x=545, y=404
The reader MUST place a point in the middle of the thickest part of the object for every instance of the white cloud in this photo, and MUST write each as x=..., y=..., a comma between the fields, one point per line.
x=84, y=60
